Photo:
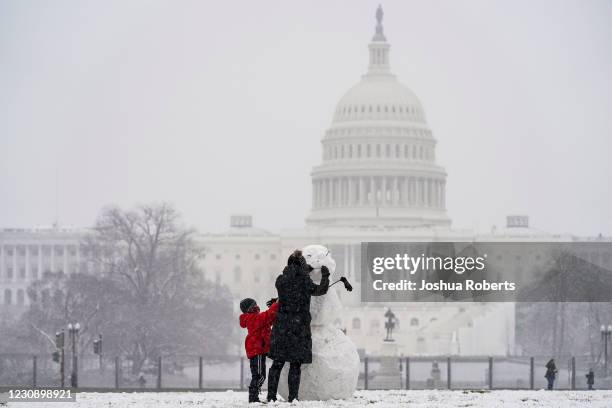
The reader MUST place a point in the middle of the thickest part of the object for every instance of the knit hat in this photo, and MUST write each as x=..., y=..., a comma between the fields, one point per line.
x=247, y=304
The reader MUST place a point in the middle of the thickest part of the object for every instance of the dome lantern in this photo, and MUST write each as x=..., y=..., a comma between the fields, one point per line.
x=379, y=49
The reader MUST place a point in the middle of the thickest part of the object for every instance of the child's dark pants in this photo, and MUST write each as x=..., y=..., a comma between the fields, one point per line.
x=258, y=376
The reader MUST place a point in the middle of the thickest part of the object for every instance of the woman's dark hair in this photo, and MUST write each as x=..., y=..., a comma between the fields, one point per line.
x=296, y=258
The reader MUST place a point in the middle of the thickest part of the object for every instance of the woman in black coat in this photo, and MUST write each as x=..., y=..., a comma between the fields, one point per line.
x=551, y=373
x=291, y=339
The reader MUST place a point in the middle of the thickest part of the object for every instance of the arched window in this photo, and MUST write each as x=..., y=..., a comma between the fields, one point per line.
x=406, y=151
x=358, y=150
x=356, y=323
x=388, y=151
x=397, y=151
x=8, y=297
x=20, y=297
x=350, y=152
x=421, y=152
x=377, y=150
x=414, y=321
x=413, y=151
x=342, y=152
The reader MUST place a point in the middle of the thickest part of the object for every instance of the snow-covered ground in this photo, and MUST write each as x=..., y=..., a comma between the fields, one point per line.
x=374, y=399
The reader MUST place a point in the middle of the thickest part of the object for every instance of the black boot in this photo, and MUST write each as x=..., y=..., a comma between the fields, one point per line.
x=295, y=372
x=253, y=395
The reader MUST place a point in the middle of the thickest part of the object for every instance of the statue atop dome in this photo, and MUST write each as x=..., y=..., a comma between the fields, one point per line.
x=379, y=36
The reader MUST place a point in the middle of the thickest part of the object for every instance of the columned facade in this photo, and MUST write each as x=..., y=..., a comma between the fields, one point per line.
x=388, y=191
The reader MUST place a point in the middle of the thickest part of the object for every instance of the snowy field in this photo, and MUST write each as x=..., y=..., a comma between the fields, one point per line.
x=379, y=399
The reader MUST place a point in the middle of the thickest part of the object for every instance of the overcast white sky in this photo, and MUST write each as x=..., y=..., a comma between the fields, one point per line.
x=219, y=107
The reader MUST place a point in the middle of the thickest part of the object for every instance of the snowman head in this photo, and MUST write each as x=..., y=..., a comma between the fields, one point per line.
x=317, y=256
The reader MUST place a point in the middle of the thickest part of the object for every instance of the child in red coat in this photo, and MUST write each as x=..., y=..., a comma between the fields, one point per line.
x=257, y=342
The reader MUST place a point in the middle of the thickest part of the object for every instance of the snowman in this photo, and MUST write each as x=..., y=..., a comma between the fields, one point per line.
x=334, y=370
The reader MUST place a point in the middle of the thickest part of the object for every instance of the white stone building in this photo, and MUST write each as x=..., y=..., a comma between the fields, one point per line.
x=26, y=254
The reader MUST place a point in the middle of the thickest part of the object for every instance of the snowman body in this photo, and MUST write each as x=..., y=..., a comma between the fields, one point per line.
x=334, y=370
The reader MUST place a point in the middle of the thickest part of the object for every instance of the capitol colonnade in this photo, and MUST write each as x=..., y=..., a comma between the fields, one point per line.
x=383, y=190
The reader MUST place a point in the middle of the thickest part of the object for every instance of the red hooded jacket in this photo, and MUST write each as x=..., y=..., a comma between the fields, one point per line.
x=258, y=325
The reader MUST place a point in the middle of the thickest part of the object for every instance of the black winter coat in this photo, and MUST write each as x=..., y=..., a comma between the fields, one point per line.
x=551, y=370
x=291, y=339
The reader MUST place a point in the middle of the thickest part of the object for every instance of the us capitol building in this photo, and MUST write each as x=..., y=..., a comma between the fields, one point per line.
x=378, y=181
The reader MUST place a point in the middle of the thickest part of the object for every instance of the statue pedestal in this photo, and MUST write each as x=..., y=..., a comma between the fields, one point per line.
x=388, y=375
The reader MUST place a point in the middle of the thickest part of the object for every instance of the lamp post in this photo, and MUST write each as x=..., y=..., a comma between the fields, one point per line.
x=73, y=330
x=606, y=333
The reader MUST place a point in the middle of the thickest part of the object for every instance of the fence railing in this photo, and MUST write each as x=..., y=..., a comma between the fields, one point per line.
x=232, y=372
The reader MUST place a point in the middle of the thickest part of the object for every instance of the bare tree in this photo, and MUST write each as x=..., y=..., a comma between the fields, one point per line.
x=163, y=304
x=563, y=323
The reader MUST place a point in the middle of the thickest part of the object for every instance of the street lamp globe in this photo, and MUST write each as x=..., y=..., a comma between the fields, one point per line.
x=70, y=327
x=77, y=326
x=610, y=328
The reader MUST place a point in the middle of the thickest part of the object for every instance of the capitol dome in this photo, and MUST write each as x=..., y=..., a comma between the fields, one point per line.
x=379, y=97
x=379, y=166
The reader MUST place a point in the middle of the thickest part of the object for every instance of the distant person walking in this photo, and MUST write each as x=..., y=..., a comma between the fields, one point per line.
x=551, y=373
x=291, y=339
x=590, y=379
